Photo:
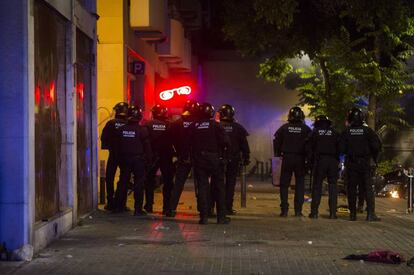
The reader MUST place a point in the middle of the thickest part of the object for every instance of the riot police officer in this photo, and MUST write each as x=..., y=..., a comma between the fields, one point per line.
x=237, y=152
x=361, y=145
x=179, y=133
x=289, y=143
x=161, y=144
x=135, y=151
x=208, y=141
x=108, y=142
x=323, y=146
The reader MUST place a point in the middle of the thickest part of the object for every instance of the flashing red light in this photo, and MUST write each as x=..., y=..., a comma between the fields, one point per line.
x=168, y=94
x=52, y=92
x=48, y=93
x=37, y=94
x=129, y=92
x=80, y=90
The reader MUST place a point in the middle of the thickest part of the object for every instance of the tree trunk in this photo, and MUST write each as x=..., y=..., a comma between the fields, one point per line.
x=328, y=87
x=372, y=99
x=372, y=110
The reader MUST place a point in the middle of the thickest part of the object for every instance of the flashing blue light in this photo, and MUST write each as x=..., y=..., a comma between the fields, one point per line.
x=362, y=101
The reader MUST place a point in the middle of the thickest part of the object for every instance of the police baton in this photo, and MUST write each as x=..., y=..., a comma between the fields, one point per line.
x=243, y=188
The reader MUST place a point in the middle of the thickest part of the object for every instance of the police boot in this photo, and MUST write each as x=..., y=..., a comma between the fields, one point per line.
x=298, y=213
x=170, y=213
x=110, y=206
x=203, y=220
x=333, y=201
x=373, y=218
x=284, y=213
x=139, y=213
x=332, y=214
x=313, y=214
x=332, y=210
x=149, y=209
x=223, y=220
x=231, y=212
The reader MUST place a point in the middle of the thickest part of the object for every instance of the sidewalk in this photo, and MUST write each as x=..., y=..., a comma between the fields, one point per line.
x=256, y=242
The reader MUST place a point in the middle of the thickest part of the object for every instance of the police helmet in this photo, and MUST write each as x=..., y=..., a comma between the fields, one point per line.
x=355, y=117
x=135, y=113
x=322, y=121
x=121, y=109
x=206, y=111
x=160, y=112
x=226, y=112
x=296, y=115
x=190, y=107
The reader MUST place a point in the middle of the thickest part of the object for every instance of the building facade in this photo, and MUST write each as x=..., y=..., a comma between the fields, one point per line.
x=144, y=48
x=48, y=165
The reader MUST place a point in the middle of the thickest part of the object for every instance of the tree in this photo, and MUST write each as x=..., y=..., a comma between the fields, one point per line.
x=373, y=45
x=356, y=48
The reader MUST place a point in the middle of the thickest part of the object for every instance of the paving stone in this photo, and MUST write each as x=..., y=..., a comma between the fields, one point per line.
x=257, y=241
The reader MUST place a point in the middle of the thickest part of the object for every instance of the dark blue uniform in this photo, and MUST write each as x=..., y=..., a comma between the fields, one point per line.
x=289, y=143
x=135, y=151
x=208, y=142
x=361, y=145
x=324, y=152
x=237, y=151
x=109, y=142
x=161, y=144
x=179, y=133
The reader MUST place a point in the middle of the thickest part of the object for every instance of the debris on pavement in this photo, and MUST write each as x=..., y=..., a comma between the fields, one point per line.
x=161, y=227
x=308, y=199
x=342, y=209
x=254, y=198
x=378, y=256
x=44, y=255
x=25, y=253
x=310, y=242
x=250, y=186
x=69, y=256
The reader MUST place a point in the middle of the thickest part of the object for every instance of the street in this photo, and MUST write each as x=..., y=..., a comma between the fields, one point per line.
x=257, y=241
